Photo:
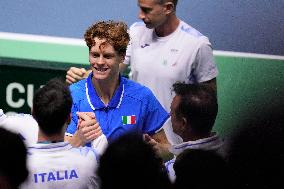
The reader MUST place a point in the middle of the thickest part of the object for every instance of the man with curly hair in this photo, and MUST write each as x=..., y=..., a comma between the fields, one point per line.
x=120, y=105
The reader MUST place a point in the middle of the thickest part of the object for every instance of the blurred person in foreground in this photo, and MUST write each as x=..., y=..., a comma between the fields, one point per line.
x=256, y=150
x=13, y=160
x=199, y=169
x=129, y=162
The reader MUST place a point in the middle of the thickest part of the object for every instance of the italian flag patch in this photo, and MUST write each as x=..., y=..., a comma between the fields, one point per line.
x=128, y=119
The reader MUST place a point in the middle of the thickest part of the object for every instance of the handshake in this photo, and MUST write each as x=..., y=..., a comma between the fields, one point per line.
x=88, y=130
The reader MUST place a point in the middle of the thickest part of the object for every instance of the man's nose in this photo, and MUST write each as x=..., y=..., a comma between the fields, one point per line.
x=101, y=60
x=141, y=15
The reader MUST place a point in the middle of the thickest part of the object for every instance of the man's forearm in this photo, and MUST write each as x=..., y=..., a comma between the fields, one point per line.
x=163, y=145
x=74, y=140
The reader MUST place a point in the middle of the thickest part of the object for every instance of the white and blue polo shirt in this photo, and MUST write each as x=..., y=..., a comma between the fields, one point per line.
x=212, y=143
x=133, y=108
x=59, y=165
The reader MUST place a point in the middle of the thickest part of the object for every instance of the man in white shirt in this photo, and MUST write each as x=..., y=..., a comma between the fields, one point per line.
x=27, y=128
x=52, y=162
x=22, y=124
x=162, y=51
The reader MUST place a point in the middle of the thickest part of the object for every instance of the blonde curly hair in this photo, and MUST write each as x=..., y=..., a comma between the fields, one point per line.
x=115, y=33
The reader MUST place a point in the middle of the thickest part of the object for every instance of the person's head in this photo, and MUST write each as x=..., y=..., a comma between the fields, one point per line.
x=52, y=107
x=129, y=162
x=107, y=42
x=155, y=12
x=194, y=109
x=13, y=160
x=195, y=168
x=256, y=150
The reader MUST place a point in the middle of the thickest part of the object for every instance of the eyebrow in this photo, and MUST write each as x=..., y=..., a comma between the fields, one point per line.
x=143, y=7
x=103, y=52
x=108, y=54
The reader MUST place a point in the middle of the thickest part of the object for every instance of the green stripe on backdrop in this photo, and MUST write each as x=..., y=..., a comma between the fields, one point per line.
x=73, y=54
x=245, y=84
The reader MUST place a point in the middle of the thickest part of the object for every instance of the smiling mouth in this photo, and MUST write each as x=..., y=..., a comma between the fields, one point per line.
x=101, y=69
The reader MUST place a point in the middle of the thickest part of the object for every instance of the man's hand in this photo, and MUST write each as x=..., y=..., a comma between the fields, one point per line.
x=76, y=74
x=88, y=126
x=88, y=129
x=161, y=148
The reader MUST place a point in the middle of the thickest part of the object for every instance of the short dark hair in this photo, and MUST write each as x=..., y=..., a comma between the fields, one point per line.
x=198, y=105
x=52, y=106
x=129, y=162
x=115, y=33
x=13, y=159
x=173, y=1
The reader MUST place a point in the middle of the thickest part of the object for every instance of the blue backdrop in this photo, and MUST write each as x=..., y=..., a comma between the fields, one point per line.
x=255, y=26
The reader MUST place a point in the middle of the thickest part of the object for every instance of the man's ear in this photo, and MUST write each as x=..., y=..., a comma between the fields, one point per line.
x=184, y=123
x=169, y=7
x=122, y=57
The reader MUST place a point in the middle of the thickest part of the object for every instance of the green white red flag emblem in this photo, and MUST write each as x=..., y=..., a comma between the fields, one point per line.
x=128, y=119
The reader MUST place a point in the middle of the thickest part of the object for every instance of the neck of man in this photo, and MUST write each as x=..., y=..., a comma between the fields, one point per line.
x=168, y=27
x=43, y=138
x=106, y=88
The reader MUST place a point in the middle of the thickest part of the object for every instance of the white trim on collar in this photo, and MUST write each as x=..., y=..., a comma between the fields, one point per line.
x=90, y=103
x=121, y=96
x=88, y=98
